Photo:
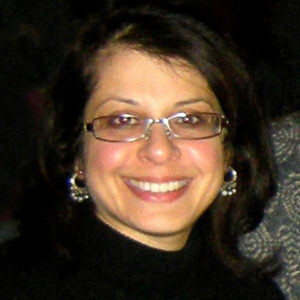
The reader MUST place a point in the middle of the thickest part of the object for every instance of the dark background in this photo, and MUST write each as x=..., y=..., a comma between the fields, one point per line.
x=34, y=36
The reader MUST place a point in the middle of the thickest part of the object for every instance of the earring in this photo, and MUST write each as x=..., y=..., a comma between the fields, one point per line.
x=77, y=193
x=229, y=186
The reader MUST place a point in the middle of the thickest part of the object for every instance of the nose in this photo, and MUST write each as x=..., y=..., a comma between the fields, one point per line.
x=158, y=148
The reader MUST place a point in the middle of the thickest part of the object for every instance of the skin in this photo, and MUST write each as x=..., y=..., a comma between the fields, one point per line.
x=134, y=82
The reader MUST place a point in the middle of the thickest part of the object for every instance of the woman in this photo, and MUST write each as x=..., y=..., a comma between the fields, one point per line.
x=154, y=121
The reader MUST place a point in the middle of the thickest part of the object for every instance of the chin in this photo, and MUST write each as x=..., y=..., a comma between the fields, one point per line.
x=163, y=227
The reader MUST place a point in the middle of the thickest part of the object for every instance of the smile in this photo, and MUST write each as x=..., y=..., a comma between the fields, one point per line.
x=155, y=187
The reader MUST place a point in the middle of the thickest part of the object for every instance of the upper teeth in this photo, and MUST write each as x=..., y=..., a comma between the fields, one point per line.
x=158, y=187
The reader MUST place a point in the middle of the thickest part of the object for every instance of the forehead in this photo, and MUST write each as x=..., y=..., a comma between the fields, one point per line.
x=148, y=80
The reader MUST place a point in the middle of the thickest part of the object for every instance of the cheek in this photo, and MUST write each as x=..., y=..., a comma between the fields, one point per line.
x=207, y=155
x=102, y=158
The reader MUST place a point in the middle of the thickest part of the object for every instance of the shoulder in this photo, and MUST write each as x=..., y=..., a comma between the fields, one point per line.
x=26, y=275
x=220, y=282
x=255, y=288
x=232, y=286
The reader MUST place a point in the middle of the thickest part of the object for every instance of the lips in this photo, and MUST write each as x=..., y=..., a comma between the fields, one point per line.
x=157, y=191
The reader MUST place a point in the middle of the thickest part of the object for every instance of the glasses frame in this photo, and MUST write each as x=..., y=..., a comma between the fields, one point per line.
x=224, y=123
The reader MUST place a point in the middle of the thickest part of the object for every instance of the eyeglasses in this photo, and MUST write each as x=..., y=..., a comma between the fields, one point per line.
x=130, y=128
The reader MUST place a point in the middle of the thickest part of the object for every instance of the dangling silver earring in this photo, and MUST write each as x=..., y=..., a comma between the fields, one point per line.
x=229, y=186
x=77, y=193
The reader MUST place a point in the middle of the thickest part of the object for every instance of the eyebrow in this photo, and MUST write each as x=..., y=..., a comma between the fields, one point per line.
x=122, y=100
x=193, y=100
x=177, y=104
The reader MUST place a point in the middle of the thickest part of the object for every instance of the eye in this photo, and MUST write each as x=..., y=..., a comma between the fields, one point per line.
x=123, y=121
x=192, y=120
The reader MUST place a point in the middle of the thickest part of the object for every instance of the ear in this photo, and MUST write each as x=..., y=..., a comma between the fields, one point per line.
x=78, y=166
x=228, y=157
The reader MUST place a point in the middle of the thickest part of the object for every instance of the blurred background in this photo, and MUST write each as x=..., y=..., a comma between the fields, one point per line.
x=34, y=36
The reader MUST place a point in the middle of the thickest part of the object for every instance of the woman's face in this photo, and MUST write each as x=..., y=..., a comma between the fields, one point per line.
x=123, y=178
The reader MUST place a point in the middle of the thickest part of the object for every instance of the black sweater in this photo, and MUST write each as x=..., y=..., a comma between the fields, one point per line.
x=103, y=264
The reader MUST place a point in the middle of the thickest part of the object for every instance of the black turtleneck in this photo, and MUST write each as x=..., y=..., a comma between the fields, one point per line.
x=104, y=264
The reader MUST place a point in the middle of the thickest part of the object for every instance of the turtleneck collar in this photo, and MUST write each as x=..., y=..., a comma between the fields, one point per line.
x=129, y=263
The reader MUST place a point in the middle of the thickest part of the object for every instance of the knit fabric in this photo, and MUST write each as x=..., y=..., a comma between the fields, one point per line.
x=280, y=229
x=104, y=264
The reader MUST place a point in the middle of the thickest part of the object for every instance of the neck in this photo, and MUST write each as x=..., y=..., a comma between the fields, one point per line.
x=166, y=242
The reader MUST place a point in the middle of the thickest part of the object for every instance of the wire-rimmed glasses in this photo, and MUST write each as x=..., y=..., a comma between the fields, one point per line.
x=129, y=128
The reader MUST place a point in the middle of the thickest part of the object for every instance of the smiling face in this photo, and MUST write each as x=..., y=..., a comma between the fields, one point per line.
x=151, y=190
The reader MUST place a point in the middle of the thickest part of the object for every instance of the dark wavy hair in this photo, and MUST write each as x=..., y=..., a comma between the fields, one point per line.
x=166, y=36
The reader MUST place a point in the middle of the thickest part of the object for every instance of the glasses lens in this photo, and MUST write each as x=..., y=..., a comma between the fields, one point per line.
x=196, y=125
x=118, y=128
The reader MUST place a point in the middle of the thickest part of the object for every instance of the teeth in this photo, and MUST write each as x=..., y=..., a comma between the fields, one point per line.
x=158, y=187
